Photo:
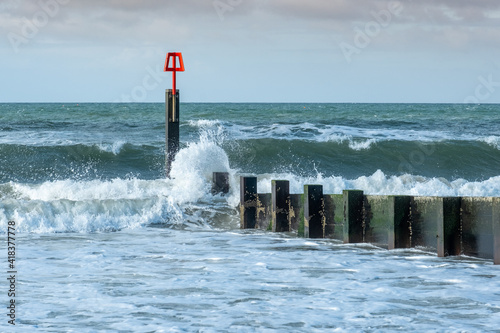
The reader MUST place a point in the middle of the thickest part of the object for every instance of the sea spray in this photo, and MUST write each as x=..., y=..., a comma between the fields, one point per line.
x=105, y=205
x=193, y=167
x=382, y=184
x=78, y=206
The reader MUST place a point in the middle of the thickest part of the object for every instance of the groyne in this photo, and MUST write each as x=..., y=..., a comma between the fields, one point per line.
x=449, y=225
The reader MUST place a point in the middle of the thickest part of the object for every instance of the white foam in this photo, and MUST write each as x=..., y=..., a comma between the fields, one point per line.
x=39, y=138
x=114, y=147
x=38, y=216
x=193, y=169
x=356, y=137
x=326, y=133
x=61, y=139
x=492, y=140
x=99, y=205
x=380, y=184
x=204, y=123
x=146, y=280
x=362, y=145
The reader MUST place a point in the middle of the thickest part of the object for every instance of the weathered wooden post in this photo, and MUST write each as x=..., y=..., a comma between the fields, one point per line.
x=496, y=230
x=314, y=214
x=172, y=110
x=399, y=222
x=477, y=231
x=220, y=183
x=353, y=216
x=248, y=202
x=334, y=215
x=264, y=211
x=449, y=228
x=436, y=222
x=281, y=205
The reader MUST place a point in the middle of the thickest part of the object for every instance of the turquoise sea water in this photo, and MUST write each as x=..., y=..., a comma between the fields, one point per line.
x=94, y=141
x=107, y=244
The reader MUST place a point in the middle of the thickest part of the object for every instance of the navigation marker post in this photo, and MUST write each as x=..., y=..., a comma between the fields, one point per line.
x=172, y=110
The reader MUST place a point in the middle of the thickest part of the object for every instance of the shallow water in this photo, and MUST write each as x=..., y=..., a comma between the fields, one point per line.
x=197, y=280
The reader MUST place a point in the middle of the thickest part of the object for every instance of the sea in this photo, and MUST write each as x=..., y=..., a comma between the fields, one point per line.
x=105, y=242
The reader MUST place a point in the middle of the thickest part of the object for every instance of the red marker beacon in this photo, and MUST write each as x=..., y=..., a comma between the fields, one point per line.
x=171, y=66
x=174, y=64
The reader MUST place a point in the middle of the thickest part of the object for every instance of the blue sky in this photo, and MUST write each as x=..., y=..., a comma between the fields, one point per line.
x=251, y=51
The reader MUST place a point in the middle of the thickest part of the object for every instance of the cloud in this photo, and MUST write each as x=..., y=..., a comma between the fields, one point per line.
x=439, y=11
x=441, y=23
x=345, y=10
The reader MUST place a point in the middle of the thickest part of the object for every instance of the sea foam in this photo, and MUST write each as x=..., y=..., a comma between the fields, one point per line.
x=102, y=205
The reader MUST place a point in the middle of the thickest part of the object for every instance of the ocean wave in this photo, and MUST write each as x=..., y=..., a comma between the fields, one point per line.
x=339, y=157
x=37, y=216
x=114, y=148
x=381, y=184
x=100, y=206
x=204, y=123
x=357, y=138
x=362, y=145
x=209, y=130
x=32, y=163
x=97, y=205
x=326, y=133
x=88, y=206
x=449, y=159
x=493, y=141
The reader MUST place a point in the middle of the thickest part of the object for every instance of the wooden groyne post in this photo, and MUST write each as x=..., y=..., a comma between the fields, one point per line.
x=172, y=110
x=387, y=220
x=449, y=225
x=353, y=216
x=220, y=183
x=496, y=230
x=314, y=212
x=248, y=202
x=280, y=198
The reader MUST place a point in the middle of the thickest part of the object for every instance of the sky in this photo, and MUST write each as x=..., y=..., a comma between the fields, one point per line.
x=353, y=51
